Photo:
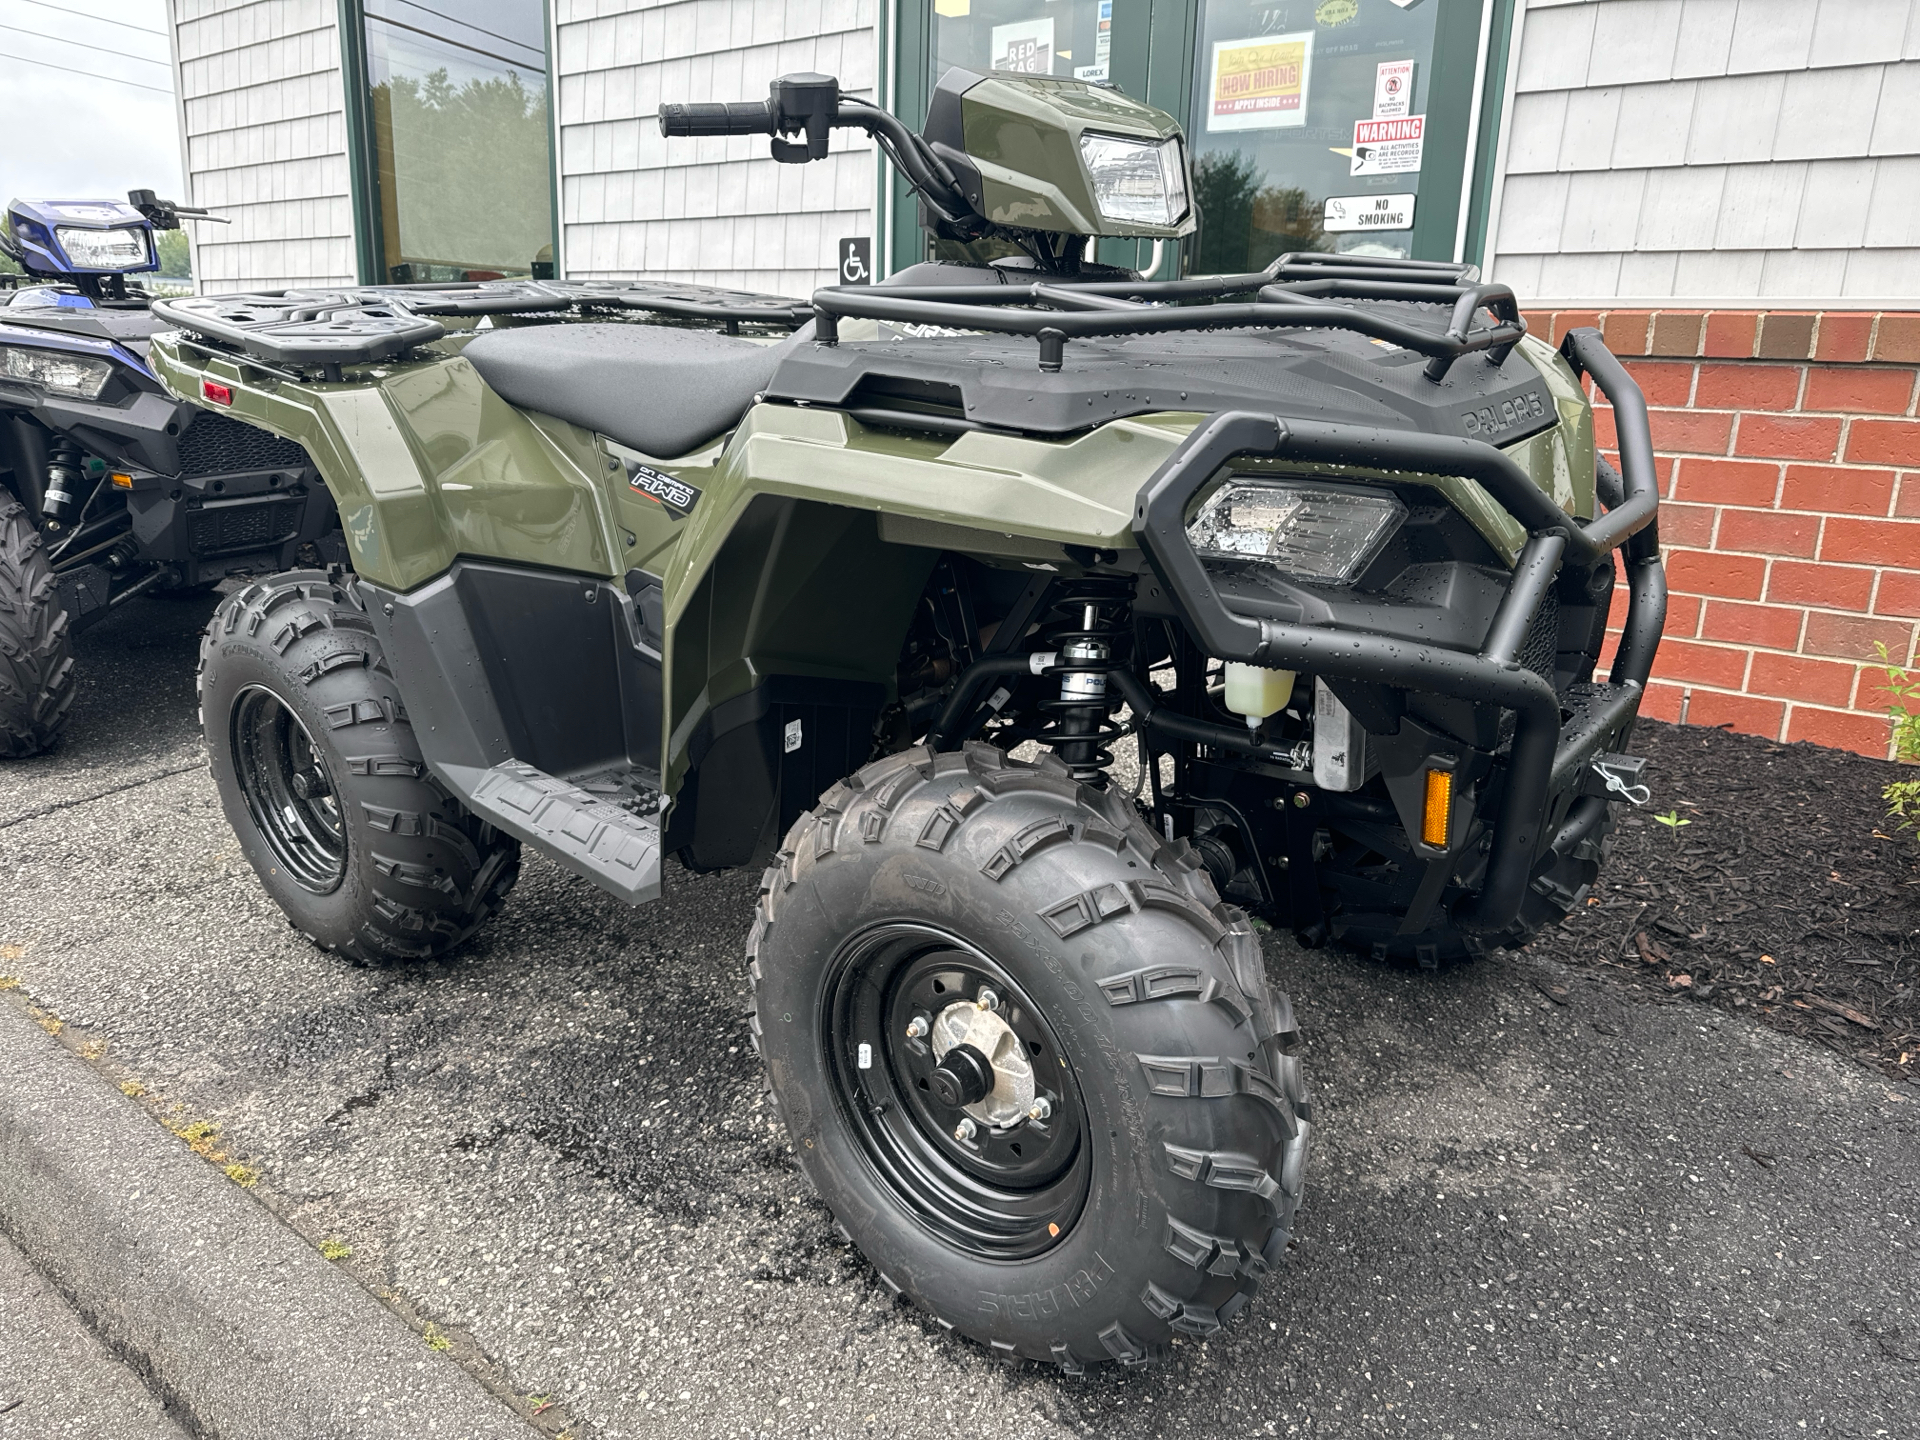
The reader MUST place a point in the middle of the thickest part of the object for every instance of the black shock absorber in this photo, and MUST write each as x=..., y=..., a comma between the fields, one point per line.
x=1085, y=632
x=64, y=483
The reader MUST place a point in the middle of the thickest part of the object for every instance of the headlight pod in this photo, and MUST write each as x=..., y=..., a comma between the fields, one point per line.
x=55, y=371
x=1136, y=182
x=1325, y=536
x=102, y=249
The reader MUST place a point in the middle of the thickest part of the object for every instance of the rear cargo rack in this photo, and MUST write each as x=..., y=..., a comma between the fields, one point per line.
x=1299, y=290
x=365, y=324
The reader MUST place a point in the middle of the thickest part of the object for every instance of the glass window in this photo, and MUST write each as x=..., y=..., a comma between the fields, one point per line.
x=1309, y=127
x=1036, y=37
x=462, y=161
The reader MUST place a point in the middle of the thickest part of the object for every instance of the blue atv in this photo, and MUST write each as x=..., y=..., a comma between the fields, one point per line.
x=111, y=488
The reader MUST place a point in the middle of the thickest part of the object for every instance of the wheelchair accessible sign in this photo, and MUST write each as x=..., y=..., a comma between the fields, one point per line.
x=856, y=260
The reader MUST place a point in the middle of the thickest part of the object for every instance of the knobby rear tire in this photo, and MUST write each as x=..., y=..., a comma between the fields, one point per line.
x=420, y=872
x=1196, y=1112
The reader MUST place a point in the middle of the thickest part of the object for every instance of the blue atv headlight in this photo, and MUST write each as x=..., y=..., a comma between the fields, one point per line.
x=55, y=371
x=102, y=249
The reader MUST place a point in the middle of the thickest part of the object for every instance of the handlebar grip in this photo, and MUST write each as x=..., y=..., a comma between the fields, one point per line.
x=749, y=117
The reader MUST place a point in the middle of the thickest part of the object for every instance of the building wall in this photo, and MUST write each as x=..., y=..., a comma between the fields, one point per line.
x=265, y=135
x=711, y=211
x=1788, y=452
x=1767, y=150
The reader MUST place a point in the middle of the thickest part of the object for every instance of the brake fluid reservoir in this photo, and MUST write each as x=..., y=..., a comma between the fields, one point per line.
x=1255, y=692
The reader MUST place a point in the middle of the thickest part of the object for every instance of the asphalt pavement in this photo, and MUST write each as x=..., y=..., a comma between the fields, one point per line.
x=56, y=1377
x=1582, y=1213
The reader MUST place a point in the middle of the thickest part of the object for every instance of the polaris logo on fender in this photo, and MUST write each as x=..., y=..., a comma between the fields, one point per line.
x=1498, y=419
x=676, y=495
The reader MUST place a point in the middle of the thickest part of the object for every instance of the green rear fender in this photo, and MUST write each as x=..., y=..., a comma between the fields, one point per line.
x=426, y=463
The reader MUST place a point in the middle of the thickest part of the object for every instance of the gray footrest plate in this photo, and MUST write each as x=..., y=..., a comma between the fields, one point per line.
x=617, y=850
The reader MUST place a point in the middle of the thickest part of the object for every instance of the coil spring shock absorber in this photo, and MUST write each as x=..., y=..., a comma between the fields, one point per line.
x=1086, y=641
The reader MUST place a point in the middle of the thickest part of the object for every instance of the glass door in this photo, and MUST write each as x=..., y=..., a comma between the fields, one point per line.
x=1326, y=125
x=461, y=162
x=1069, y=38
x=1072, y=38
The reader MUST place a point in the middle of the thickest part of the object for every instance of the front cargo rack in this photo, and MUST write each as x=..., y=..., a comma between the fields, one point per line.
x=1303, y=290
x=365, y=324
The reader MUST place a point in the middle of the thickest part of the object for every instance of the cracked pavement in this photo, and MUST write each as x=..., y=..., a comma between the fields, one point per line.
x=1602, y=1217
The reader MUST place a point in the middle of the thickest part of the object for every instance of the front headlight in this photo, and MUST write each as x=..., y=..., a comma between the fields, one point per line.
x=77, y=375
x=1329, y=536
x=1136, y=182
x=102, y=249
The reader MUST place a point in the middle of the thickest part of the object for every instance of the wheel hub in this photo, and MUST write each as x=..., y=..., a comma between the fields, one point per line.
x=957, y=1089
x=287, y=790
x=984, y=1069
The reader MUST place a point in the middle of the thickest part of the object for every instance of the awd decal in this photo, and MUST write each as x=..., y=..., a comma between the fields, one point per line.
x=1498, y=419
x=676, y=495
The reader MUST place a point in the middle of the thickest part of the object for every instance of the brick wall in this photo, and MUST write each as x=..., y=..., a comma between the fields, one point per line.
x=1789, y=462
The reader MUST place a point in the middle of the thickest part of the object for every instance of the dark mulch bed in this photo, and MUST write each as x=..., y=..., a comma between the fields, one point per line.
x=1790, y=896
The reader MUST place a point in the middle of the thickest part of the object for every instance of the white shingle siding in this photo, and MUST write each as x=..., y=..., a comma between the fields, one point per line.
x=266, y=142
x=713, y=211
x=1705, y=149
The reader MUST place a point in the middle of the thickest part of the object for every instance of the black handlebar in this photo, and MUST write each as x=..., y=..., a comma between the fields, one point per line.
x=749, y=117
x=806, y=104
x=809, y=106
x=165, y=214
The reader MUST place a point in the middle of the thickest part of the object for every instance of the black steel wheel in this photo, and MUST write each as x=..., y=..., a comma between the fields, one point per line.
x=289, y=791
x=1027, y=1057
x=1004, y=1192
x=323, y=781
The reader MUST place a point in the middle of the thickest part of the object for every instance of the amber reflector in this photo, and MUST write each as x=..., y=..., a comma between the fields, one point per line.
x=122, y=482
x=1433, y=824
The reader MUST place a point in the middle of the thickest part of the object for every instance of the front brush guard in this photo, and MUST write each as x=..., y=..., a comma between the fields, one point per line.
x=1494, y=673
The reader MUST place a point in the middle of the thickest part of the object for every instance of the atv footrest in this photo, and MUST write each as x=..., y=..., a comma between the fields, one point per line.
x=618, y=850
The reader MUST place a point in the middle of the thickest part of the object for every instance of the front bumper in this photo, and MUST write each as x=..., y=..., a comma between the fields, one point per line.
x=1547, y=759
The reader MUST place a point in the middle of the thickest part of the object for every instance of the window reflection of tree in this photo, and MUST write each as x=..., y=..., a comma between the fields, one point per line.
x=1245, y=224
x=464, y=174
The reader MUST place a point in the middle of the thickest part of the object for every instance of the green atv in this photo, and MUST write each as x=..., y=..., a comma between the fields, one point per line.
x=1316, y=550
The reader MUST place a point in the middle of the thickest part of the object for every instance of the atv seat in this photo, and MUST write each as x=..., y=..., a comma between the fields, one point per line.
x=661, y=389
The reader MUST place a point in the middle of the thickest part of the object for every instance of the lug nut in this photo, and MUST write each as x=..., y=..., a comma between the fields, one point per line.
x=1042, y=1108
x=987, y=999
x=917, y=1027
x=965, y=1131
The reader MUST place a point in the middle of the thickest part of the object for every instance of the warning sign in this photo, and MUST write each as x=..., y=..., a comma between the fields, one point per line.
x=1260, y=84
x=1388, y=147
x=1392, y=89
